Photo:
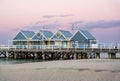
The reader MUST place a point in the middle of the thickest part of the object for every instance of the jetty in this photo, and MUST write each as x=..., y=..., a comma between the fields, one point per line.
x=62, y=44
x=58, y=53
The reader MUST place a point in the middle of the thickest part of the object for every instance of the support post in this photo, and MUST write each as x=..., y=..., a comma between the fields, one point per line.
x=98, y=55
x=15, y=56
x=36, y=55
x=81, y=55
x=75, y=56
x=43, y=56
x=7, y=54
x=113, y=55
x=109, y=55
x=86, y=56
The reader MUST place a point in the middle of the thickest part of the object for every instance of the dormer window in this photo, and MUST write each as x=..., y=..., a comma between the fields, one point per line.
x=38, y=34
x=58, y=34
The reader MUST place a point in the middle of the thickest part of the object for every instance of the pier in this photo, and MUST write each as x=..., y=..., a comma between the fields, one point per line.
x=58, y=52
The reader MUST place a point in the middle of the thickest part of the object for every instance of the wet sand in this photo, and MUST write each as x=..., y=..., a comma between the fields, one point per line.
x=63, y=70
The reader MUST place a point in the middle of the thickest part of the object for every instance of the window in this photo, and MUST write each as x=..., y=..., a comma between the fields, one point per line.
x=38, y=34
x=58, y=34
x=76, y=43
x=72, y=44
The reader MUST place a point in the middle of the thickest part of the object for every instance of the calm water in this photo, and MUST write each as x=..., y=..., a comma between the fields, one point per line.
x=18, y=61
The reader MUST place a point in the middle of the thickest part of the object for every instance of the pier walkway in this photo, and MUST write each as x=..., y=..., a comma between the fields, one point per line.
x=58, y=52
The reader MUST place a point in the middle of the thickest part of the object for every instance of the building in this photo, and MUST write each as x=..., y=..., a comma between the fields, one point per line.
x=61, y=39
x=83, y=39
x=47, y=39
x=23, y=39
x=42, y=39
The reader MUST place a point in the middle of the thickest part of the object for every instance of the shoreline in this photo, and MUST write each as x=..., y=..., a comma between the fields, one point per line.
x=63, y=70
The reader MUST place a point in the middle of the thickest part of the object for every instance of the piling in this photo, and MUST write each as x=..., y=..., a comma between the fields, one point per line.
x=113, y=55
x=57, y=54
x=98, y=55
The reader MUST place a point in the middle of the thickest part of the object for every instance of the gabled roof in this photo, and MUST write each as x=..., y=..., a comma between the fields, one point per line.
x=35, y=37
x=62, y=35
x=23, y=35
x=78, y=36
x=38, y=38
x=47, y=34
x=43, y=35
x=82, y=36
x=54, y=37
x=66, y=33
x=87, y=34
x=19, y=36
x=28, y=34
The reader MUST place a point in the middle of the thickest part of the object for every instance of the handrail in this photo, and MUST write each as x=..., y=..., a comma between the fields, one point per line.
x=84, y=46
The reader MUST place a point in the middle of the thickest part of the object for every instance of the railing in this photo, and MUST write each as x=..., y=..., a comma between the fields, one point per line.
x=109, y=45
x=84, y=46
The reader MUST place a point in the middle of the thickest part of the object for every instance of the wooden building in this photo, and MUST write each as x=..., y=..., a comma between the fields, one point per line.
x=61, y=38
x=83, y=39
x=47, y=39
x=23, y=39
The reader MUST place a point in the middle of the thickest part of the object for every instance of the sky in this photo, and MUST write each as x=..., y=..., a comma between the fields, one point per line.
x=100, y=17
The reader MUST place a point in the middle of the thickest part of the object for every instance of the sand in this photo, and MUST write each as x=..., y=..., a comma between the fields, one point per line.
x=63, y=70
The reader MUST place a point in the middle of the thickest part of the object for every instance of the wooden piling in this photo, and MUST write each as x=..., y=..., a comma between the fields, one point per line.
x=58, y=54
x=43, y=56
x=98, y=55
x=109, y=55
x=113, y=55
x=75, y=56
x=15, y=55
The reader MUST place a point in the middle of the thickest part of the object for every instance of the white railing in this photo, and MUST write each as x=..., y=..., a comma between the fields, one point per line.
x=84, y=46
x=109, y=45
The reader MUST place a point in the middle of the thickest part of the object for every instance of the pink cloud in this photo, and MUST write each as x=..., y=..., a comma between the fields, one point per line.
x=107, y=34
x=16, y=14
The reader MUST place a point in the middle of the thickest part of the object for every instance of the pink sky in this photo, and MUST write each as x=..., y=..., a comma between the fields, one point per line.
x=16, y=14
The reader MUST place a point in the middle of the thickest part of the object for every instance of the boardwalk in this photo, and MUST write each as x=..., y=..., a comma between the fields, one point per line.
x=54, y=53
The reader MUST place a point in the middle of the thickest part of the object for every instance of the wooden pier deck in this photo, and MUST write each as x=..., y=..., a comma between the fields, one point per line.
x=58, y=53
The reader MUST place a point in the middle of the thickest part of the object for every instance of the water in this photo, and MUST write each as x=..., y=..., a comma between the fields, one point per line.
x=20, y=61
x=17, y=61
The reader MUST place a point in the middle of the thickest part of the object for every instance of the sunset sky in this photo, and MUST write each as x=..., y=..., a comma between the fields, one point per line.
x=99, y=17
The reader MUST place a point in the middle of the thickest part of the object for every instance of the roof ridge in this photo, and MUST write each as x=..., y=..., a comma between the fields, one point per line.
x=64, y=30
x=27, y=30
x=45, y=30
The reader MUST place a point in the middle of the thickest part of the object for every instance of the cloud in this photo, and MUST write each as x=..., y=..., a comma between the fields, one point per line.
x=76, y=25
x=68, y=15
x=49, y=16
x=52, y=26
x=45, y=26
x=103, y=24
x=97, y=24
x=40, y=22
x=53, y=16
x=76, y=22
x=16, y=29
x=32, y=27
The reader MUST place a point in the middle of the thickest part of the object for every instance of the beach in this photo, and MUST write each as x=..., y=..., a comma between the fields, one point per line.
x=63, y=70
